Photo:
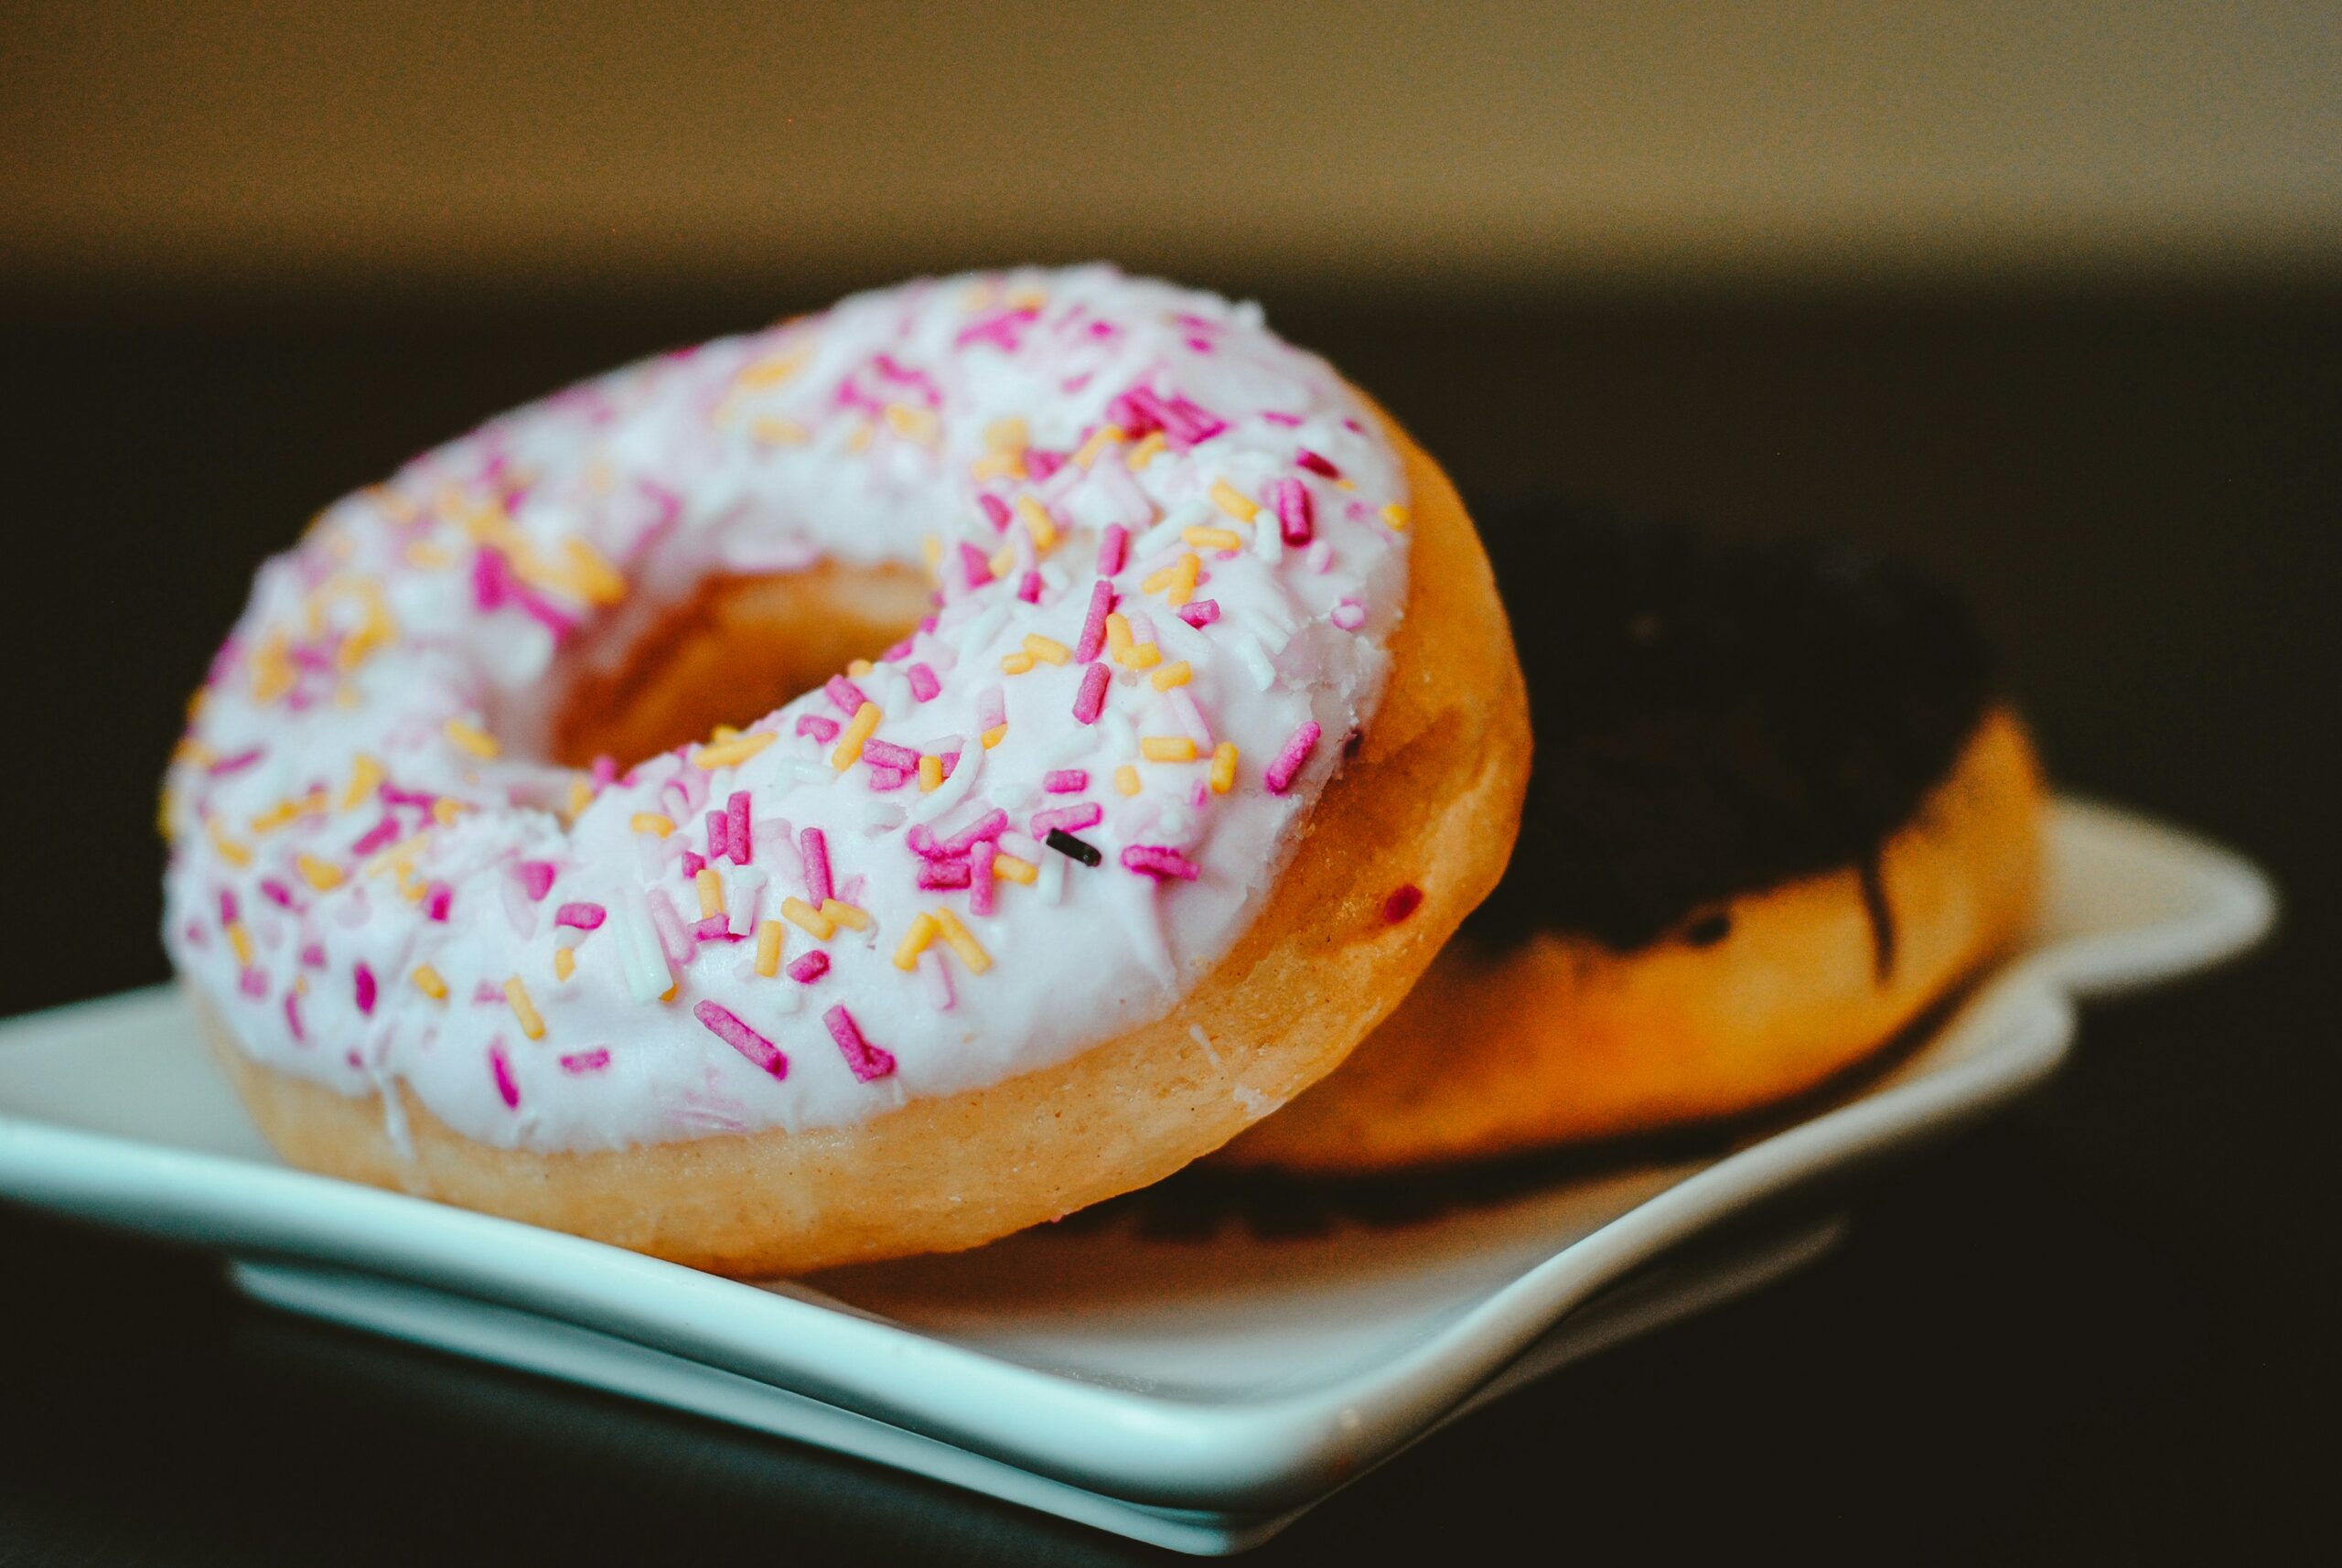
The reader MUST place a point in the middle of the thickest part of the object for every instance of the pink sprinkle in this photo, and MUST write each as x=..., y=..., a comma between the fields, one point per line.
x=1315, y=464
x=815, y=845
x=1199, y=613
x=868, y=1061
x=714, y=929
x=741, y=835
x=1072, y=819
x=883, y=780
x=979, y=860
x=536, y=877
x=820, y=729
x=594, y=1060
x=313, y=955
x=392, y=795
x=1113, y=550
x=1093, y=624
x=1160, y=862
x=227, y=905
x=1287, y=420
x=899, y=651
x=584, y=916
x=924, y=686
x=362, y=984
x=252, y=983
x=277, y=892
x=500, y=1066
x=673, y=940
x=605, y=770
x=1028, y=588
x=381, y=835
x=809, y=968
x=1279, y=778
x=995, y=512
x=1297, y=514
x=486, y=995
x=886, y=753
x=974, y=566
x=939, y=876
x=436, y=899
x=1090, y=700
x=235, y=764
x=989, y=826
x=292, y=1016
x=1403, y=901
x=1040, y=463
x=728, y=1028
x=694, y=862
x=1065, y=781
x=719, y=834
x=1320, y=556
x=845, y=694
x=922, y=842
x=1349, y=615
x=950, y=760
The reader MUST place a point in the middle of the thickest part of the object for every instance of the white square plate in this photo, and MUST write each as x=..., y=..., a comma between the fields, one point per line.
x=1196, y=1393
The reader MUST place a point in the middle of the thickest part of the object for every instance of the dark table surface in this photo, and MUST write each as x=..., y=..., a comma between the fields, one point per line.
x=2093, y=1329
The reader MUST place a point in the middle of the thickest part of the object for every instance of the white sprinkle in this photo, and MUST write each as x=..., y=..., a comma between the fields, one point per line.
x=1050, y=887
x=641, y=960
x=1119, y=733
x=1186, y=515
x=1075, y=745
x=881, y=816
x=1053, y=578
x=1196, y=1033
x=1190, y=717
x=1249, y=653
x=812, y=772
x=937, y=979
x=745, y=890
x=984, y=628
x=952, y=790
x=1024, y=849
x=1268, y=540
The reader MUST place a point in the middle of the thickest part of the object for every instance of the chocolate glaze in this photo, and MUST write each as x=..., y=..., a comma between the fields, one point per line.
x=1716, y=717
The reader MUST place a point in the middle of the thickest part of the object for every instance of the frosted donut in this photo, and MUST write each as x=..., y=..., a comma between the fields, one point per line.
x=1187, y=662
x=1780, y=811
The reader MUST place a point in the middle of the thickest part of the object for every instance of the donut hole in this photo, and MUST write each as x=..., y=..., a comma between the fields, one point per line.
x=736, y=648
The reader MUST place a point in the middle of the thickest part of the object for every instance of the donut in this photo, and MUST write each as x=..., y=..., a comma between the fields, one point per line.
x=1780, y=810
x=858, y=788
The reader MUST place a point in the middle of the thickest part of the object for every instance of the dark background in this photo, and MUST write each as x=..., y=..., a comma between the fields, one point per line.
x=2095, y=1329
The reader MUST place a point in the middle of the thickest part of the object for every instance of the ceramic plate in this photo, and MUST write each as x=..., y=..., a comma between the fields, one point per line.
x=1198, y=1393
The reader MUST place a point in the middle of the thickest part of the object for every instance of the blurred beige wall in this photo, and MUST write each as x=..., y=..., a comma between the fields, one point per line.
x=438, y=140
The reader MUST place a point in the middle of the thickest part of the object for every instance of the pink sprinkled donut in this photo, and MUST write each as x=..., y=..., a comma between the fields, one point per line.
x=1078, y=873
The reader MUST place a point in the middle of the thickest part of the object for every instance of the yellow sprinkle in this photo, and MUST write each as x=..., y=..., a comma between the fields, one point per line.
x=994, y=735
x=1047, y=649
x=277, y=816
x=1105, y=435
x=1212, y=538
x=323, y=876
x=998, y=466
x=857, y=730
x=365, y=777
x=931, y=548
x=858, y=668
x=931, y=774
x=532, y=1024
x=721, y=734
x=1004, y=561
x=1028, y=299
x=1007, y=435
x=1156, y=582
x=769, y=936
x=773, y=370
x=732, y=753
x=1015, y=663
x=711, y=892
x=1126, y=780
x=1177, y=582
x=581, y=795
x=1233, y=501
x=851, y=915
x=774, y=431
x=914, y=942
x=565, y=962
x=1118, y=636
x=197, y=700
x=1008, y=868
x=1395, y=515
x=241, y=941
x=425, y=556
x=1223, y=767
x=273, y=669
x=1038, y=523
x=1147, y=451
x=956, y=935
x=595, y=579
x=674, y=990
x=345, y=695
x=1171, y=675
x=860, y=440
x=911, y=424
x=427, y=980
x=657, y=823
x=808, y=920
x=1168, y=748
x=232, y=852
x=1145, y=656
x=471, y=737
x=445, y=809
x=163, y=812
